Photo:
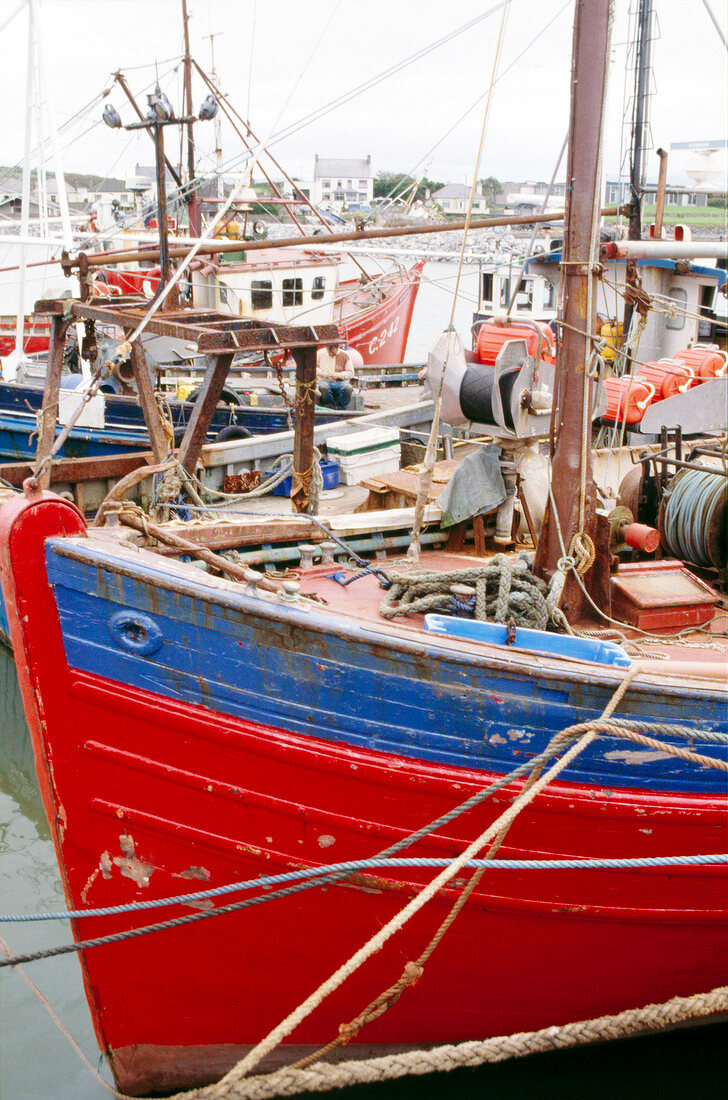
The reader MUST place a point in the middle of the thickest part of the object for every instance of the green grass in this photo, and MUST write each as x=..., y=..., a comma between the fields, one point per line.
x=699, y=217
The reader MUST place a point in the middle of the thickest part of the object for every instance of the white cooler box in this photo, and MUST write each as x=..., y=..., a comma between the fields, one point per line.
x=364, y=454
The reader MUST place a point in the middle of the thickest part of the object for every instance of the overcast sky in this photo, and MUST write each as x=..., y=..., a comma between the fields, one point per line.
x=284, y=59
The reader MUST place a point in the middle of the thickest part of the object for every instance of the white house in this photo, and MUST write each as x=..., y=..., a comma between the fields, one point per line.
x=337, y=183
x=454, y=198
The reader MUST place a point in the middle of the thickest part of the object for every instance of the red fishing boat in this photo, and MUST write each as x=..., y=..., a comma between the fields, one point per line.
x=200, y=734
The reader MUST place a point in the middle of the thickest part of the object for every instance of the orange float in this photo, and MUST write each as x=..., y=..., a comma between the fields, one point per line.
x=493, y=334
x=668, y=376
x=705, y=362
x=627, y=398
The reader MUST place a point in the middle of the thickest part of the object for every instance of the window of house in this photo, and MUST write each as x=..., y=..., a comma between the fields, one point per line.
x=261, y=294
x=319, y=285
x=680, y=298
x=293, y=292
x=362, y=183
x=338, y=183
x=348, y=183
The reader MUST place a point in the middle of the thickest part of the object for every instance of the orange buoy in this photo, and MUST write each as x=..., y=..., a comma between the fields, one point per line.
x=705, y=362
x=627, y=398
x=493, y=334
x=668, y=376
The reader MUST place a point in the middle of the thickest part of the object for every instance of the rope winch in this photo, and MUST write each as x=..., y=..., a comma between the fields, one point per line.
x=693, y=517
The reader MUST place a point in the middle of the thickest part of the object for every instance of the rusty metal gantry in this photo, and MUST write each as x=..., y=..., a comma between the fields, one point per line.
x=217, y=336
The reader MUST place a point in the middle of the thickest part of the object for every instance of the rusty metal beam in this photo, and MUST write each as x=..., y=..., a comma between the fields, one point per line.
x=148, y=402
x=105, y=259
x=588, y=78
x=214, y=333
x=51, y=395
x=305, y=417
x=201, y=417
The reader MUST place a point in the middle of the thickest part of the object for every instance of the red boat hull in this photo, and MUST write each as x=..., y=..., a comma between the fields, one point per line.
x=36, y=335
x=151, y=797
x=380, y=332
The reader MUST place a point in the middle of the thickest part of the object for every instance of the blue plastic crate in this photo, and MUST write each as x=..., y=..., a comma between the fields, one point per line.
x=329, y=470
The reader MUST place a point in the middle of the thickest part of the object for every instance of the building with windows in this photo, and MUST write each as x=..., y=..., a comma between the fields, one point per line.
x=453, y=198
x=340, y=183
x=617, y=192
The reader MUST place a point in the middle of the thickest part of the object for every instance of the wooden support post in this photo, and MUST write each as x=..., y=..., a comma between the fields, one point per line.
x=51, y=392
x=304, y=422
x=147, y=400
x=479, y=536
x=199, y=422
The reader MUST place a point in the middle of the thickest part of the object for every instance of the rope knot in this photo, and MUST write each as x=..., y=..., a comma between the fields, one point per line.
x=347, y=1032
x=583, y=551
x=412, y=973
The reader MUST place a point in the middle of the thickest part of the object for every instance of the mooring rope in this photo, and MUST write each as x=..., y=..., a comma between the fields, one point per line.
x=323, y=1076
x=377, y=941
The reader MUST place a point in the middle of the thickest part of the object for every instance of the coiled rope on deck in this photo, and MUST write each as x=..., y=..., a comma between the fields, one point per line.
x=505, y=588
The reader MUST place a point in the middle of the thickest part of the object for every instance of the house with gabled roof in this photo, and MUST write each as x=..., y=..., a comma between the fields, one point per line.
x=453, y=198
x=340, y=182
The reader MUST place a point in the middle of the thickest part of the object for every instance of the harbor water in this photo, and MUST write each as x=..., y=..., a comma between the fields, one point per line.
x=36, y=1060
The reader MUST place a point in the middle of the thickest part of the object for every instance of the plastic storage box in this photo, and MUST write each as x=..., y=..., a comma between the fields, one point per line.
x=364, y=454
x=329, y=470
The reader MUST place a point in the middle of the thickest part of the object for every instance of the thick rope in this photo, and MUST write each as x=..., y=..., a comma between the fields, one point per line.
x=324, y=1077
x=292, y=1021
x=505, y=588
x=413, y=971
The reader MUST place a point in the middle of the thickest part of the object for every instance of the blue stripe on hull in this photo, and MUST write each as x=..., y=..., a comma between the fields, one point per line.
x=304, y=673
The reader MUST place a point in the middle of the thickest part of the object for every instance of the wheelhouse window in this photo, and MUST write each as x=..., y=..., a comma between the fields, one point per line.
x=680, y=298
x=261, y=294
x=293, y=292
x=487, y=293
x=319, y=285
x=524, y=297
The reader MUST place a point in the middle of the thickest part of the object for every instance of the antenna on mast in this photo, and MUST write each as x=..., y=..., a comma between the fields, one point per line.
x=218, y=119
x=193, y=207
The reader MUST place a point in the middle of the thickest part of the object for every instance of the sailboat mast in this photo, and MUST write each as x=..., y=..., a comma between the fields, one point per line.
x=574, y=492
x=193, y=205
x=639, y=123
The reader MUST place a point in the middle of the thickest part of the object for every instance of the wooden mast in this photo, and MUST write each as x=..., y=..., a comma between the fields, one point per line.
x=574, y=491
x=193, y=206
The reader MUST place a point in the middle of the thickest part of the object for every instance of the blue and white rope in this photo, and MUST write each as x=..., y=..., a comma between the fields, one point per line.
x=379, y=863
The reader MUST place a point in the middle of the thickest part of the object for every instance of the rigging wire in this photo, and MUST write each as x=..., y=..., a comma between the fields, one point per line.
x=480, y=98
x=425, y=475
